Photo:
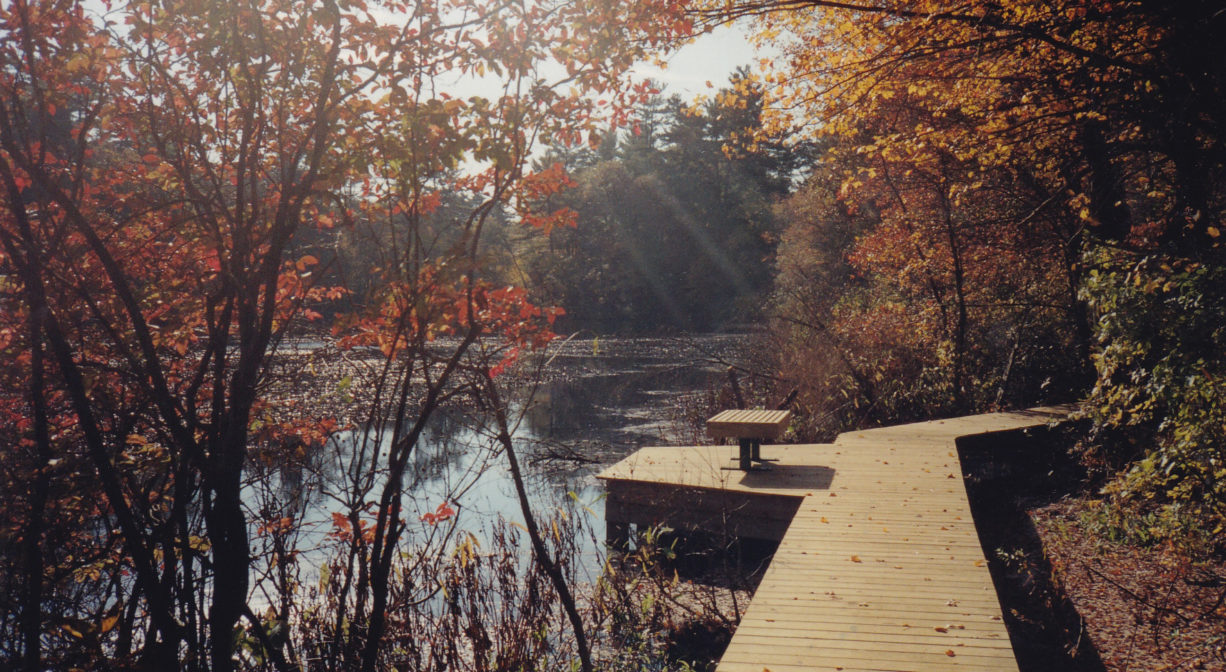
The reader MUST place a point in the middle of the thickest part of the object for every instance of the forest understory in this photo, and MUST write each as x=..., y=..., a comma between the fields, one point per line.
x=1085, y=584
x=1142, y=607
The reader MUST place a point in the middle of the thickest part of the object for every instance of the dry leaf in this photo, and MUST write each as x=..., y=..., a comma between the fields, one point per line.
x=855, y=558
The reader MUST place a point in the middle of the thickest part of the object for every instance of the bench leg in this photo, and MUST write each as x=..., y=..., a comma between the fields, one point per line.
x=746, y=454
x=757, y=450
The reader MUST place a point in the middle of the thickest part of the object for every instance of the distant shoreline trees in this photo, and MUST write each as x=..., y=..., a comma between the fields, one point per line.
x=675, y=223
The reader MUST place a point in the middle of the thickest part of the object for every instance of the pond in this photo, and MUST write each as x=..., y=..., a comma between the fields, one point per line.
x=602, y=399
x=597, y=401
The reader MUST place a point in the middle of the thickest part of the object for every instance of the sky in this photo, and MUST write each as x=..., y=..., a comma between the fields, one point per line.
x=711, y=58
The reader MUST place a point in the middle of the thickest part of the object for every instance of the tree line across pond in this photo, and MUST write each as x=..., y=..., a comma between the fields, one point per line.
x=676, y=226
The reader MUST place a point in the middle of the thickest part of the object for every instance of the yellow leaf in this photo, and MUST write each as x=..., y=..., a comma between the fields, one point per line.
x=855, y=558
x=109, y=623
x=1214, y=232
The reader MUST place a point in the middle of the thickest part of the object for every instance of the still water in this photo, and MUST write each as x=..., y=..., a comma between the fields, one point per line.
x=598, y=400
x=602, y=400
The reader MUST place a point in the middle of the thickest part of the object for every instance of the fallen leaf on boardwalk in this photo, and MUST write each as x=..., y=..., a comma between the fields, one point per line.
x=824, y=520
x=855, y=558
x=940, y=629
x=950, y=653
x=979, y=563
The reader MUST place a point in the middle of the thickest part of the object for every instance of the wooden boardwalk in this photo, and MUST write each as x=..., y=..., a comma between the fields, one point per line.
x=880, y=567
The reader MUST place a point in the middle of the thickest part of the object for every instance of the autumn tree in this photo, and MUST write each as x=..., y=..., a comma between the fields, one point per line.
x=1088, y=134
x=159, y=161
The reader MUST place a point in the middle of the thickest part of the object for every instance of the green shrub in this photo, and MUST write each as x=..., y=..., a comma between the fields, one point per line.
x=1159, y=406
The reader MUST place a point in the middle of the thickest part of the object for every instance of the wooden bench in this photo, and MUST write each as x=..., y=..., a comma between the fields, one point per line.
x=749, y=427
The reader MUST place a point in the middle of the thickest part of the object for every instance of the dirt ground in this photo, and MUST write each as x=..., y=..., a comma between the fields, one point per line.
x=1144, y=609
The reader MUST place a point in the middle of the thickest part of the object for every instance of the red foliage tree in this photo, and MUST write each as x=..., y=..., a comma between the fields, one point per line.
x=158, y=163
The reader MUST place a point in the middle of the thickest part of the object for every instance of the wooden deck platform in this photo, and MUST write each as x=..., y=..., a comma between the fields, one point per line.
x=879, y=566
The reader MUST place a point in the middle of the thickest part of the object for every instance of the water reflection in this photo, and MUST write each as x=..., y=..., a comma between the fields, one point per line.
x=621, y=392
x=598, y=400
